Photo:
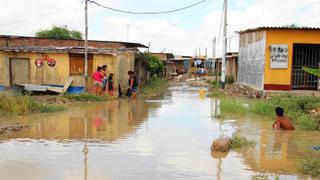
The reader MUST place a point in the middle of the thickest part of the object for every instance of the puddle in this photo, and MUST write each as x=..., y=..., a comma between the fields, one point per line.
x=162, y=138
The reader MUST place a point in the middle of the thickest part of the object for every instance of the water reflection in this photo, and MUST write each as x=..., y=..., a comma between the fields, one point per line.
x=105, y=121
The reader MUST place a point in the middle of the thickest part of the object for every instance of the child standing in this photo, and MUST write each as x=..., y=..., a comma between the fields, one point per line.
x=110, y=84
x=97, y=78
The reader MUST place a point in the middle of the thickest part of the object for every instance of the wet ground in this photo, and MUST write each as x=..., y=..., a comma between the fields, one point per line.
x=168, y=137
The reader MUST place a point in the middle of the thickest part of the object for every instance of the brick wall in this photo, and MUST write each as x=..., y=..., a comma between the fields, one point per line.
x=32, y=41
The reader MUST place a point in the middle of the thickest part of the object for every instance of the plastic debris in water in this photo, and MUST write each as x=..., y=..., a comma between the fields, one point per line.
x=317, y=148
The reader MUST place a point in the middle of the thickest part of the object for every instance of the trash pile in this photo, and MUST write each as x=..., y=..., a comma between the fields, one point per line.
x=240, y=90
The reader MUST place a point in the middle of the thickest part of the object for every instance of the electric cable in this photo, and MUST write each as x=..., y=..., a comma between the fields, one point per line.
x=146, y=13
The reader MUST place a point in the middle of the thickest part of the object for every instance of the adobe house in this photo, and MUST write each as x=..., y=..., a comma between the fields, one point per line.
x=31, y=60
x=271, y=58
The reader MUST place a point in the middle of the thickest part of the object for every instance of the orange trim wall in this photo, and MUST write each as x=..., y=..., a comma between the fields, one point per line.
x=280, y=79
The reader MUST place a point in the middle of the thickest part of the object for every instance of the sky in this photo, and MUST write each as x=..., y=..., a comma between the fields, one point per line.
x=181, y=33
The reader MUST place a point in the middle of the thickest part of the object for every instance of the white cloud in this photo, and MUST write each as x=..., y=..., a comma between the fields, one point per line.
x=161, y=32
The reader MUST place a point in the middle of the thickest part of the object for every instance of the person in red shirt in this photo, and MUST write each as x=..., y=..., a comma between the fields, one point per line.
x=97, y=77
x=282, y=122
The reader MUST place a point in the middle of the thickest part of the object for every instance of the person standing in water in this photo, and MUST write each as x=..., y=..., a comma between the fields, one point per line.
x=110, y=84
x=105, y=77
x=97, y=77
x=133, y=83
x=282, y=122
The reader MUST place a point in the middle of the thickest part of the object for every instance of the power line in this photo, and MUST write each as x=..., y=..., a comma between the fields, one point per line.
x=195, y=12
x=150, y=13
x=35, y=17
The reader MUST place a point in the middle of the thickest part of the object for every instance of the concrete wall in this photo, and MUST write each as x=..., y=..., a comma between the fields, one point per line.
x=252, y=59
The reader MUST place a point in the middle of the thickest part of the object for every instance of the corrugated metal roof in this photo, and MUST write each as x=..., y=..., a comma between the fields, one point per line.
x=76, y=50
x=279, y=28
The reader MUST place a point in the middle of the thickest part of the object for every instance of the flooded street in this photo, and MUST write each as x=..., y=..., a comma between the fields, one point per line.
x=168, y=137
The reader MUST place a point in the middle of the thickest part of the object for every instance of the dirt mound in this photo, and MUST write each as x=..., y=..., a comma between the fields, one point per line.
x=221, y=145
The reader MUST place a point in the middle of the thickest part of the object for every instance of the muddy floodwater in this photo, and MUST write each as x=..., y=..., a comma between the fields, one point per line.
x=167, y=137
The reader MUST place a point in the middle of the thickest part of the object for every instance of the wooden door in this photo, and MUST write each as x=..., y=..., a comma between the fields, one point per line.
x=19, y=71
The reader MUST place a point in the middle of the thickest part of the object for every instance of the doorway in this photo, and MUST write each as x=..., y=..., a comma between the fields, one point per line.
x=305, y=55
x=19, y=71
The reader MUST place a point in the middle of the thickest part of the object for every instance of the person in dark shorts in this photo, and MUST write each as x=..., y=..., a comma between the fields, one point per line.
x=110, y=84
x=133, y=83
x=282, y=122
x=105, y=78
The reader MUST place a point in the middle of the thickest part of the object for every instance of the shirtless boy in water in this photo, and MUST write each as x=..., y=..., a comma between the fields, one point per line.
x=282, y=122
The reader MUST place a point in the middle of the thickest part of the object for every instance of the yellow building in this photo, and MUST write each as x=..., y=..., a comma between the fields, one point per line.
x=271, y=58
x=30, y=60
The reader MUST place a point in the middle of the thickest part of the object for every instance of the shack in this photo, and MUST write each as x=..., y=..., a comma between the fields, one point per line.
x=181, y=63
x=231, y=65
x=271, y=58
x=42, y=61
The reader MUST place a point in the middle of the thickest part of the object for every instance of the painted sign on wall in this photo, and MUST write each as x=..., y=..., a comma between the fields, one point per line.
x=38, y=62
x=279, y=56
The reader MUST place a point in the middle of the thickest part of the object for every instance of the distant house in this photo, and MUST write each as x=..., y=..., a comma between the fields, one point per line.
x=271, y=58
x=181, y=63
x=31, y=60
x=231, y=65
x=165, y=58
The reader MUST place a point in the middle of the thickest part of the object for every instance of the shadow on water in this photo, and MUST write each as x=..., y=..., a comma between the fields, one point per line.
x=166, y=137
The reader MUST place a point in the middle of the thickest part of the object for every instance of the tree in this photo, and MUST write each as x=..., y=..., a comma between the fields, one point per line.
x=291, y=25
x=155, y=65
x=59, y=32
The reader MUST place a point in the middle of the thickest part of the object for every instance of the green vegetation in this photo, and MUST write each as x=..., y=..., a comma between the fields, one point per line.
x=312, y=71
x=264, y=177
x=297, y=108
x=155, y=65
x=240, y=142
x=59, y=32
x=85, y=97
x=24, y=105
x=291, y=25
x=229, y=79
x=154, y=86
x=311, y=165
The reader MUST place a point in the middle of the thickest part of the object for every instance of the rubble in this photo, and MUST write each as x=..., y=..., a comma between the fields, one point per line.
x=240, y=90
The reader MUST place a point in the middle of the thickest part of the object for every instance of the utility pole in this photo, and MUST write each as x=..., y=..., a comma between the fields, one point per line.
x=86, y=45
x=214, y=63
x=128, y=32
x=223, y=69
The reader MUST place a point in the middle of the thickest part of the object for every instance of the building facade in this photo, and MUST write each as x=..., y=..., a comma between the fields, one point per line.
x=271, y=58
x=41, y=61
